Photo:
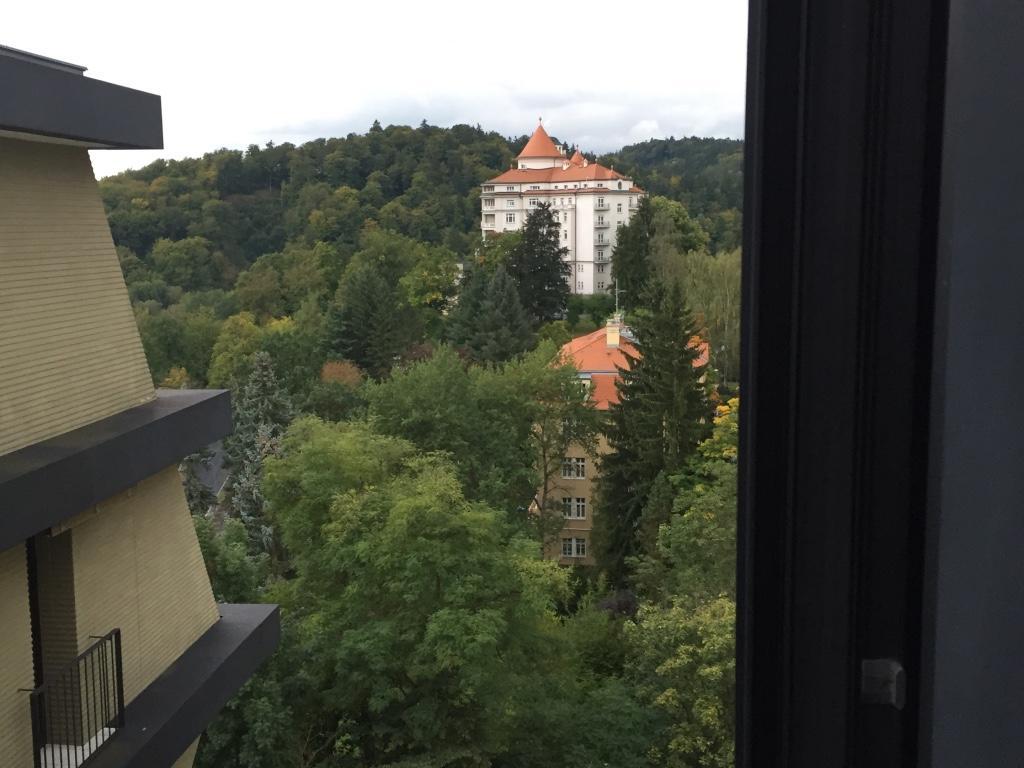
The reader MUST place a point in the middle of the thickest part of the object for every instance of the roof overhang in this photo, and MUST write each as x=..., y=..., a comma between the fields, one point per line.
x=48, y=482
x=45, y=99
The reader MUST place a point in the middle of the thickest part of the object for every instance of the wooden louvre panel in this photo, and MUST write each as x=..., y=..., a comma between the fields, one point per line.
x=70, y=352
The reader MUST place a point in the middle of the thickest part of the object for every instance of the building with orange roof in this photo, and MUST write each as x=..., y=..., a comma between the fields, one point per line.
x=590, y=203
x=598, y=357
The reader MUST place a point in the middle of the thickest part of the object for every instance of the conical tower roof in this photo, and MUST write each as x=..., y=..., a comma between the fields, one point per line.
x=540, y=145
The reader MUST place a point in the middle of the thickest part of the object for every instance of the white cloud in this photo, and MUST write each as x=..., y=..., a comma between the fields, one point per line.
x=601, y=73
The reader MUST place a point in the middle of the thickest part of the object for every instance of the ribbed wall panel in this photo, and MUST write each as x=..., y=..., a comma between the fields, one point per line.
x=70, y=353
x=138, y=566
x=16, y=669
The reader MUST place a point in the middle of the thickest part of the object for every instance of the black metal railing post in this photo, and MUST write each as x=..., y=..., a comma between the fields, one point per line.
x=78, y=708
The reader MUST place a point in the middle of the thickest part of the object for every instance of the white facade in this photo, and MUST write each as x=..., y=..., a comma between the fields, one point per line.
x=589, y=201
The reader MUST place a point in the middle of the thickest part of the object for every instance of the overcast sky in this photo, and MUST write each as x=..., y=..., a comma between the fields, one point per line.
x=602, y=74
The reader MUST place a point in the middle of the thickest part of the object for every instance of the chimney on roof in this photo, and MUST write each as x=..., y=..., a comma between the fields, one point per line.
x=612, y=331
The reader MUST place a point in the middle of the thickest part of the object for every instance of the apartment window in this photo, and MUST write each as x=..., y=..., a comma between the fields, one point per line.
x=600, y=237
x=600, y=268
x=567, y=469
x=510, y=218
x=631, y=202
x=600, y=285
x=533, y=201
x=510, y=189
x=489, y=202
x=488, y=188
x=600, y=202
x=535, y=186
x=567, y=506
x=565, y=234
x=488, y=218
x=600, y=219
x=600, y=255
x=566, y=547
x=579, y=268
x=618, y=207
x=561, y=201
x=581, y=547
x=581, y=508
x=510, y=203
x=579, y=285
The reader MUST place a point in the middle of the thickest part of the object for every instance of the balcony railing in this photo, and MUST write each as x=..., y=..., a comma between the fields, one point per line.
x=601, y=206
x=602, y=224
x=78, y=708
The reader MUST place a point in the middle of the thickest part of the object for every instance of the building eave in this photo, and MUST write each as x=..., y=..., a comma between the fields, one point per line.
x=53, y=480
x=44, y=98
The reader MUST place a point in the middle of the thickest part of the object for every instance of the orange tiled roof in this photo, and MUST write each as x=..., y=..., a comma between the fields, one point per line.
x=591, y=172
x=577, y=158
x=592, y=356
x=540, y=145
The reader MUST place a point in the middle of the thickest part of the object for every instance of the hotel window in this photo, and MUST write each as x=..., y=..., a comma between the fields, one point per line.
x=510, y=203
x=488, y=218
x=535, y=186
x=510, y=218
x=600, y=255
x=579, y=268
x=600, y=202
x=579, y=285
x=618, y=207
x=600, y=285
x=510, y=188
x=567, y=506
x=533, y=201
x=489, y=202
x=600, y=268
x=561, y=201
x=489, y=188
x=566, y=547
x=581, y=547
x=600, y=219
x=581, y=508
x=600, y=237
x=565, y=234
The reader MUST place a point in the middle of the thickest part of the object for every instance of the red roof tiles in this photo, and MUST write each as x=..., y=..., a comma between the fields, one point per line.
x=592, y=356
x=540, y=145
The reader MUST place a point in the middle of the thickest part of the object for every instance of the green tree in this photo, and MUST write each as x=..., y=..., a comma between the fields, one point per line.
x=190, y=263
x=681, y=662
x=537, y=264
x=489, y=321
x=631, y=269
x=662, y=414
x=262, y=413
x=231, y=357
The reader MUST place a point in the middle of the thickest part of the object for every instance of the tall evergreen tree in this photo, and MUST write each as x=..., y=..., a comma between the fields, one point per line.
x=631, y=257
x=368, y=322
x=262, y=414
x=537, y=264
x=662, y=414
x=489, y=321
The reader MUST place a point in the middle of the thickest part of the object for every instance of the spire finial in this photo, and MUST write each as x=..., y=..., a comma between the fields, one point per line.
x=540, y=120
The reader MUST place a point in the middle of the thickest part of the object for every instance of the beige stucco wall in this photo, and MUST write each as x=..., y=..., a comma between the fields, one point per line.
x=560, y=487
x=16, y=655
x=138, y=567
x=70, y=350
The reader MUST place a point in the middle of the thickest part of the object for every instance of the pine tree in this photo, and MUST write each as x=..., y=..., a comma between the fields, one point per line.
x=368, y=322
x=538, y=267
x=261, y=415
x=662, y=414
x=631, y=257
x=489, y=321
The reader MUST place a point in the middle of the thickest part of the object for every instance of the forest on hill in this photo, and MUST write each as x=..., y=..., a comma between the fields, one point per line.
x=401, y=409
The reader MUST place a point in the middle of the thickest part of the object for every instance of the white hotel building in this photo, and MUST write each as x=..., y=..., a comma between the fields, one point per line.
x=590, y=202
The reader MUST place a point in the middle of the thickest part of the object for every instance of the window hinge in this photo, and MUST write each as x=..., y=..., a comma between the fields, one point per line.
x=883, y=681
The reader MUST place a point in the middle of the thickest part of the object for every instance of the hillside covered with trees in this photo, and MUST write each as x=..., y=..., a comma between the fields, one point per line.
x=399, y=400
